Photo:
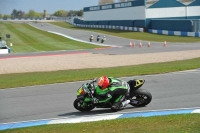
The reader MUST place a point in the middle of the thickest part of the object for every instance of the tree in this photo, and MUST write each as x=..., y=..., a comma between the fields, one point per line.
x=71, y=13
x=0, y=16
x=20, y=14
x=75, y=13
x=61, y=13
x=38, y=15
x=17, y=14
x=14, y=13
x=6, y=16
x=79, y=13
x=33, y=14
x=41, y=15
x=101, y=2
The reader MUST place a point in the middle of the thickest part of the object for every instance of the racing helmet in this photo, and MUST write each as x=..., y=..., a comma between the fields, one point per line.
x=103, y=82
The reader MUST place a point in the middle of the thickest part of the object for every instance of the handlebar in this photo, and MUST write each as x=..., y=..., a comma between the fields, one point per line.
x=92, y=86
x=94, y=80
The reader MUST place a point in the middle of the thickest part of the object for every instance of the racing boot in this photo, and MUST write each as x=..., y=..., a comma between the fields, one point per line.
x=116, y=106
x=125, y=103
x=119, y=105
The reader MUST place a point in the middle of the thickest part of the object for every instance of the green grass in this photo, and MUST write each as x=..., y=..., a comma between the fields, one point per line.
x=185, y=123
x=133, y=35
x=39, y=78
x=26, y=38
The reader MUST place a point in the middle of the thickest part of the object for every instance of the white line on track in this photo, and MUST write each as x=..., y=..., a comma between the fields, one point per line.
x=114, y=114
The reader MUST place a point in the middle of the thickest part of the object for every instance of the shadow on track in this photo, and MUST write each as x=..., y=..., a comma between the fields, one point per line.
x=93, y=112
x=97, y=112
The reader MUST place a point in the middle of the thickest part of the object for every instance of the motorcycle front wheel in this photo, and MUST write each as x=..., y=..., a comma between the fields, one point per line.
x=140, y=98
x=78, y=104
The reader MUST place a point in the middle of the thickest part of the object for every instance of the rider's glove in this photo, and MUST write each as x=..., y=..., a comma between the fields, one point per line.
x=95, y=100
x=95, y=80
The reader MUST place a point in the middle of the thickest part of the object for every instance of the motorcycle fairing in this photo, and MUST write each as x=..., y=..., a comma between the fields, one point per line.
x=135, y=84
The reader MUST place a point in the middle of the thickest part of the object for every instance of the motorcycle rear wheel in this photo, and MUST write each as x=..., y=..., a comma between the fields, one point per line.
x=78, y=105
x=143, y=97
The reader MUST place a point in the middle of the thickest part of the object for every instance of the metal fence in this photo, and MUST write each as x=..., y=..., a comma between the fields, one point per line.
x=196, y=25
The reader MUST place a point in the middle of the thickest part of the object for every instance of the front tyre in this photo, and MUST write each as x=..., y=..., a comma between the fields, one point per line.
x=78, y=104
x=141, y=98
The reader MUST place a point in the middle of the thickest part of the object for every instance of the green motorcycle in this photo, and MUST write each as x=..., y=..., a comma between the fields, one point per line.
x=136, y=97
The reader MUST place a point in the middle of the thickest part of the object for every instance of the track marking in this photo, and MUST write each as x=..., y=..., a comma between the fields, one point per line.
x=90, y=118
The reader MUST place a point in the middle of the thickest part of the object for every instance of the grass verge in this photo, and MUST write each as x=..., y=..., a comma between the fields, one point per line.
x=26, y=38
x=184, y=123
x=39, y=78
x=133, y=35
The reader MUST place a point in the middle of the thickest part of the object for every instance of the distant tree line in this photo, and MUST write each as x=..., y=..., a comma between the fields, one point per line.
x=21, y=14
x=32, y=14
x=63, y=13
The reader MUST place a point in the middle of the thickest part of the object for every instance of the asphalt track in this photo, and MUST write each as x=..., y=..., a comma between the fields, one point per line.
x=172, y=90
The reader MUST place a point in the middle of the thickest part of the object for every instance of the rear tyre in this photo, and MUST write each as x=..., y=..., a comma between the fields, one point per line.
x=78, y=104
x=143, y=97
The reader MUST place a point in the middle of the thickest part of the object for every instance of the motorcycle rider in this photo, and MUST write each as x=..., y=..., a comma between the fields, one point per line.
x=98, y=38
x=111, y=90
x=91, y=38
x=103, y=39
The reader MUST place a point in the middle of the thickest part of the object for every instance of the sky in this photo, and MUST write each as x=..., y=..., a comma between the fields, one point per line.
x=51, y=6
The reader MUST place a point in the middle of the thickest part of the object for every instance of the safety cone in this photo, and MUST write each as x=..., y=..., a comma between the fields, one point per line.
x=134, y=45
x=130, y=45
x=149, y=44
x=165, y=44
x=140, y=45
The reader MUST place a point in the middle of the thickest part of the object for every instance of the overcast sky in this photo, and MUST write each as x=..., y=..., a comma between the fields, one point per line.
x=7, y=6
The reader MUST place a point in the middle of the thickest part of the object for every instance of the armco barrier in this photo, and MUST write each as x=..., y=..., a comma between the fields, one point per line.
x=175, y=33
x=111, y=27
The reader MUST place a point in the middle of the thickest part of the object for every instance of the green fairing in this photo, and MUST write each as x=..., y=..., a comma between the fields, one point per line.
x=84, y=87
x=105, y=100
x=77, y=93
x=115, y=84
x=87, y=99
x=117, y=100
